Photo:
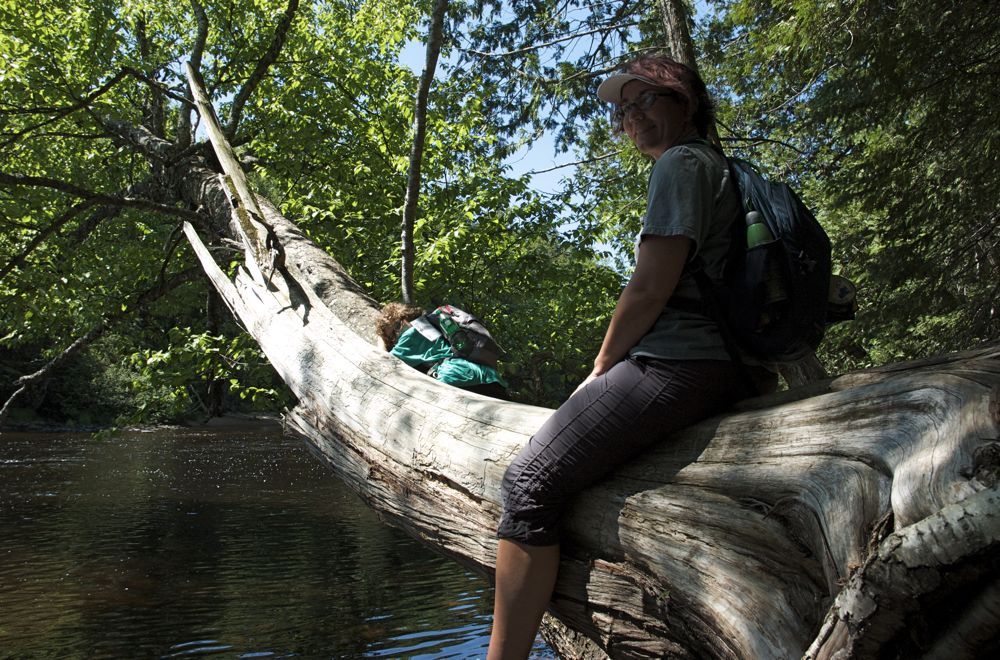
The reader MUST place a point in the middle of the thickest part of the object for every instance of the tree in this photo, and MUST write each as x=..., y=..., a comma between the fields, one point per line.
x=885, y=127
x=416, y=152
x=326, y=122
x=85, y=241
x=779, y=498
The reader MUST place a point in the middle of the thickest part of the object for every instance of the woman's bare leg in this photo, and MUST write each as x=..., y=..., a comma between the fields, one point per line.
x=525, y=578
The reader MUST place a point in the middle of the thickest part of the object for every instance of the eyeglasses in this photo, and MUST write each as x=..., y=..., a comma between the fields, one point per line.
x=643, y=103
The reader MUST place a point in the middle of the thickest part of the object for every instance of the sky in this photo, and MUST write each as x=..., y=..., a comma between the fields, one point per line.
x=539, y=156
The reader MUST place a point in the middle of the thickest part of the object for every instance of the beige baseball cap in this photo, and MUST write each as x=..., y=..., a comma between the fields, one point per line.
x=611, y=89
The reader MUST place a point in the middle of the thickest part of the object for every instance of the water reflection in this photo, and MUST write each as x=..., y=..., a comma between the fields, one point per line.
x=232, y=542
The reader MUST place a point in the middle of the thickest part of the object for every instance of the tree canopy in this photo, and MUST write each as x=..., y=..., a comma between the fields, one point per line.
x=882, y=116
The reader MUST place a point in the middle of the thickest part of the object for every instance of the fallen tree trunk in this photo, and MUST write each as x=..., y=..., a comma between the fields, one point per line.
x=845, y=519
x=731, y=540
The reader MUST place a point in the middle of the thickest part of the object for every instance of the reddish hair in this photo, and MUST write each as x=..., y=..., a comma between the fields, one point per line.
x=391, y=321
x=679, y=78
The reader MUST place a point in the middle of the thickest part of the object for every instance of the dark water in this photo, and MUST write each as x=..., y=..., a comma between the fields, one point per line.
x=232, y=543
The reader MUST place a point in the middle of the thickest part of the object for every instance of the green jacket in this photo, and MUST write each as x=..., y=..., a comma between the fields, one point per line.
x=417, y=351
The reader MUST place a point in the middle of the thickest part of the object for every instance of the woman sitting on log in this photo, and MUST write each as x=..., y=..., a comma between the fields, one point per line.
x=659, y=369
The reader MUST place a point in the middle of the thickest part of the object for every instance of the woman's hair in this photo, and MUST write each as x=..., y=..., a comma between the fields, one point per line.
x=391, y=321
x=679, y=78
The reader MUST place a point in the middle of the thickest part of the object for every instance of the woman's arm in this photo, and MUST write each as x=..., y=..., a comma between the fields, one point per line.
x=657, y=271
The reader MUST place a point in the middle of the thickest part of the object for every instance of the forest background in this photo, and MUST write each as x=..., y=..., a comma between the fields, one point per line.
x=882, y=115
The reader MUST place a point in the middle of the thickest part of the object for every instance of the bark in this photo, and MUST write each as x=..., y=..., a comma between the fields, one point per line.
x=680, y=46
x=731, y=540
x=928, y=557
x=434, y=39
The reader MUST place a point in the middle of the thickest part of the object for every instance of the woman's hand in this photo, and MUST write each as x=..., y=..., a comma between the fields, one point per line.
x=586, y=381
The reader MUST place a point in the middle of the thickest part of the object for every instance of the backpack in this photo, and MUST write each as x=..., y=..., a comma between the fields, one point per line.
x=466, y=334
x=774, y=301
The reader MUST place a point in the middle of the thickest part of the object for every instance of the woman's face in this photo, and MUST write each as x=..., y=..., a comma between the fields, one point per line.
x=662, y=125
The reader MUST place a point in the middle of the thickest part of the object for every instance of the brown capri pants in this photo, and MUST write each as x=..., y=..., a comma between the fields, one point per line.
x=611, y=420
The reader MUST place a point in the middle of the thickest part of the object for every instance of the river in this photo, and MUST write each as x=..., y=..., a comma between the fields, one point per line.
x=223, y=541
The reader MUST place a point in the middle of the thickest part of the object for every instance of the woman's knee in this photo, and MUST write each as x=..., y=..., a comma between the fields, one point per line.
x=531, y=510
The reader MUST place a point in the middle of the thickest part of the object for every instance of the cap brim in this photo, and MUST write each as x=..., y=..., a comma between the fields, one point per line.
x=611, y=89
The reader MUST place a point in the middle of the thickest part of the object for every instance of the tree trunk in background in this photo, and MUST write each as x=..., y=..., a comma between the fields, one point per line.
x=434, y=38
x=679, y=44
x=797, y=524
x=216, y=386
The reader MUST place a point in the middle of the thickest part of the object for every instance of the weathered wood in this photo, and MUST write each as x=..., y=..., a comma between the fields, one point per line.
x=926, y=557
x=265, y=251
x=803, y=371
x=732, y=539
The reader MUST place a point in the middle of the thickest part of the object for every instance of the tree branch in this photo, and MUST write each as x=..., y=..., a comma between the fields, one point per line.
x=553, y=42
x=201, y=37
x=59, y=113
x=280, y=33
x=110, y=200
x=83, y=231
x=152, y=105
x=63, y=111
x=434, y=38
x=40, y=237
x=585, y=161
x=160, y=87
x=184, y=133
x=754, y=141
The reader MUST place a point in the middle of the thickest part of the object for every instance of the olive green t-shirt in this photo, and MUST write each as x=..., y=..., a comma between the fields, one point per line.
x=690, y=194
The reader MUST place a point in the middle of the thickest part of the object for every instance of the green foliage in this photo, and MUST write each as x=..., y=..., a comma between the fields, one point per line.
x=891, y=111
x=180, y=372
x=329, y=127
x=91, y=390
x=882, y=116
x=546, y=299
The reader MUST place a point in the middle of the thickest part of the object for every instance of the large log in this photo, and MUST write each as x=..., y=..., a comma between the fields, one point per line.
x=732, y=539
x=856, y=517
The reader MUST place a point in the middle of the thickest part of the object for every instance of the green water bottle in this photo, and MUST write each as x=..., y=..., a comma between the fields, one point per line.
x=455, y=335
x=758, y=233
x=447, y=324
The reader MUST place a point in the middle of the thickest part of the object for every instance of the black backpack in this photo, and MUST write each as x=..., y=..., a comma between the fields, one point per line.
x=465, y=333
x=775, y=300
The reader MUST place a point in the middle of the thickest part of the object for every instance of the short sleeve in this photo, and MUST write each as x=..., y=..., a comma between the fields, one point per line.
x=681, y=198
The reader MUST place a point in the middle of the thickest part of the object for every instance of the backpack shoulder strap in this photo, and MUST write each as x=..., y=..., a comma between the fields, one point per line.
x=426, y=327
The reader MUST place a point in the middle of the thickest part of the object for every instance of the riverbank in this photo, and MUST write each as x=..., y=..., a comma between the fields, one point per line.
x=228, y=422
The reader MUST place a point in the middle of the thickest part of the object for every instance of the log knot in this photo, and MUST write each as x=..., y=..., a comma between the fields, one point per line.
x=985, y=466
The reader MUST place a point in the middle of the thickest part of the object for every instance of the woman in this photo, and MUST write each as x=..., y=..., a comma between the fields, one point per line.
x=659, y=369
